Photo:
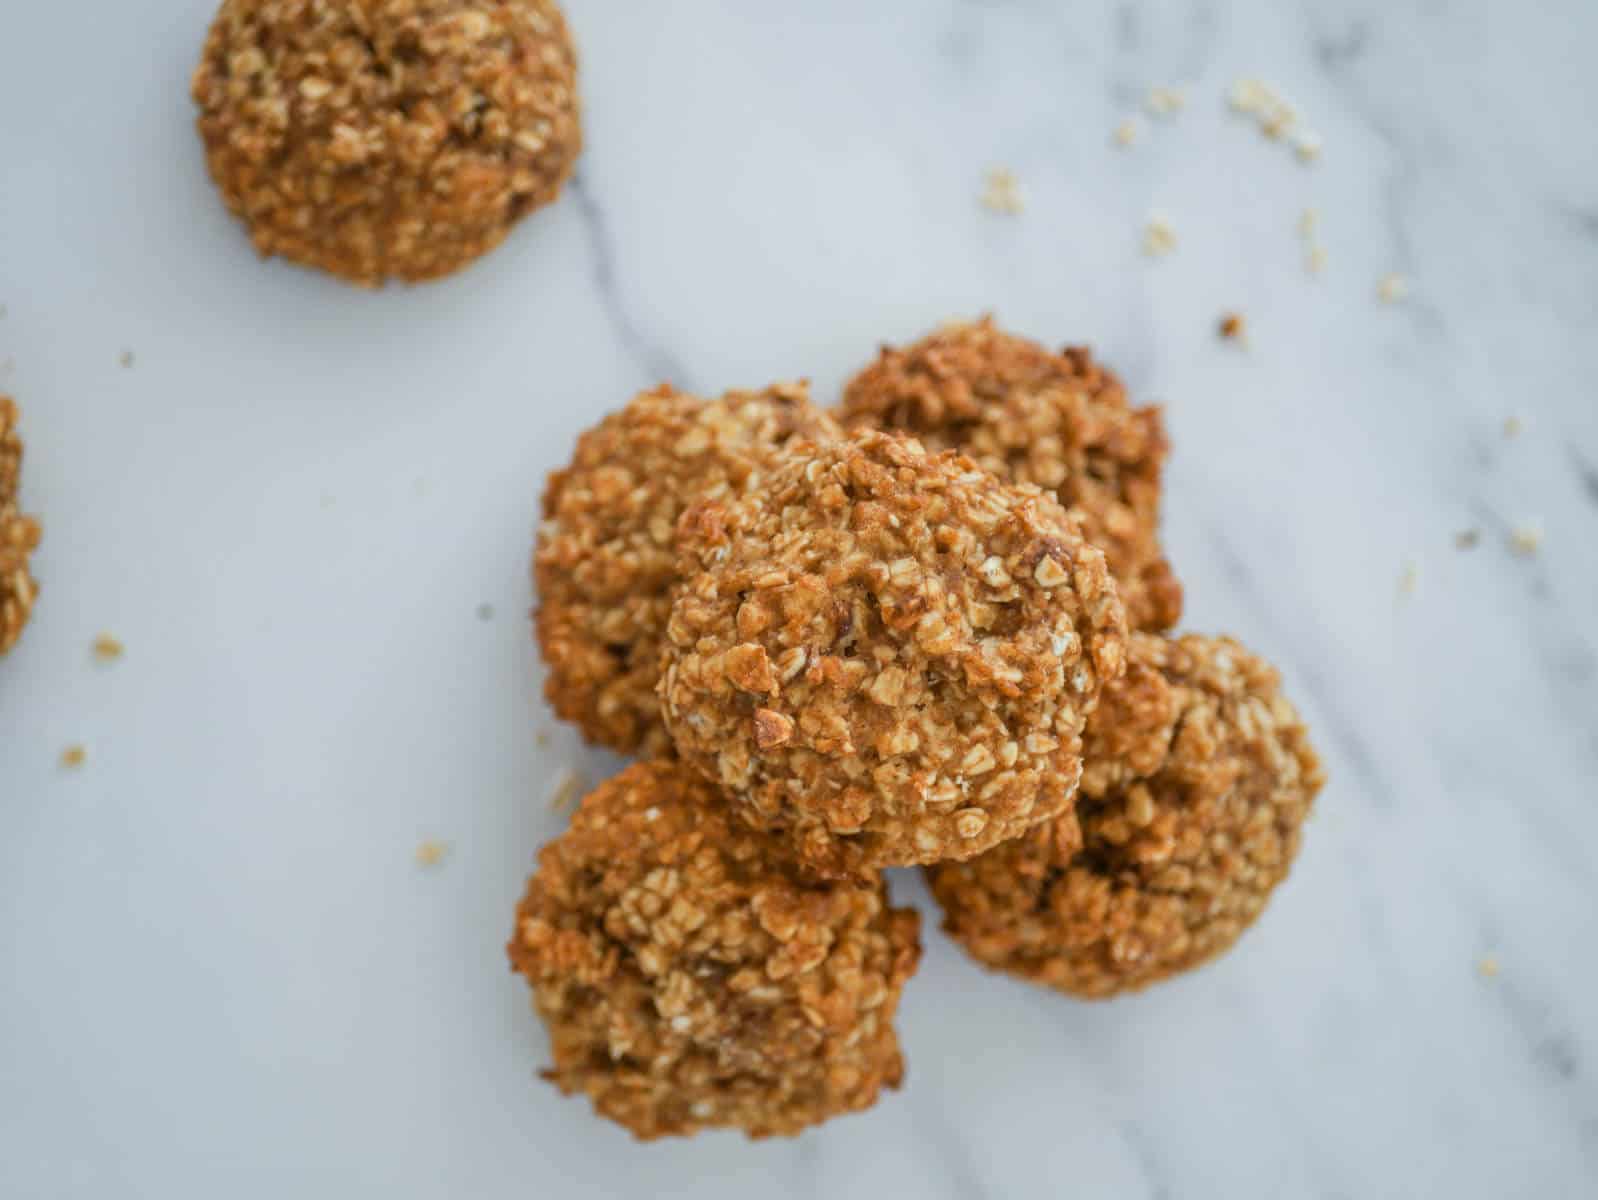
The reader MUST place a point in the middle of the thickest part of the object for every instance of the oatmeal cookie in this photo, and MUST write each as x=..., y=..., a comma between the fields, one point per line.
x=1199, y=777
x=606, y=553
x=19, y=535
x=887, y=656
x=1060, y=421
x=691, y=979
x=387, y=138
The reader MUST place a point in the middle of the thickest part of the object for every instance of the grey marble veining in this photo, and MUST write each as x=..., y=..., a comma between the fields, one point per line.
x=225, y=974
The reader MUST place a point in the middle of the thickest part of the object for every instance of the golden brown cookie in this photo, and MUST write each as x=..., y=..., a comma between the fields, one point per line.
x=387, y=138
x=1199, y=776
x=886, y=656
x=1060, y=421
x=19, y=534
x=691, y=979
x=607, y=555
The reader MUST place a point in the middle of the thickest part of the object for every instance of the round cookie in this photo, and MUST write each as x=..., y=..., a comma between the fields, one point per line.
x=1199, y=777
x=19, y=534
x=1060, y=421
x=691, y=979
x=886, y=657
x=389, y=138
x=607, y=556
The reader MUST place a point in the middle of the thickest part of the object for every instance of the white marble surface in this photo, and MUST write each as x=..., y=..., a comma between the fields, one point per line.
x=223, y=973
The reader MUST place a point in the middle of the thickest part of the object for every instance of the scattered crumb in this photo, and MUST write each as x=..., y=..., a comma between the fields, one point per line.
x=1002, y=193
x=1487, y=966
x=485, y=612
x=106, y=648
x=1165, y=101
x=1307, y=221
x=1513, y=427
x=1526, y=539
x=1315, y=260
x=1467, y=539
x=1126, y=132
x=1231, y=328
x=1390, y=289
x=126, y=358
x=569, y=789
x=541, y=739
x=73, y=757
x=1275, y=115
x=1158, y=238
x=1409, y=578
x=431, y=853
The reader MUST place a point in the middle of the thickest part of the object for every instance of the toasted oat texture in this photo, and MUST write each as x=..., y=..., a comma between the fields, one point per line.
x=19, y=535
x=887, y=656
x=606, y=554
x=1060, y=421
x=1199, y=776
x=387, y=138
x=691, y=979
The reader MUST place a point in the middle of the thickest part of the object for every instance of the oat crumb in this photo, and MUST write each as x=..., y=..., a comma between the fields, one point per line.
x=1315, y=260
x=1159, y=238
x=1165, y=101
x=1308, y=220
x=1487, y=967
x=1232, y=328
x=1467, y=539
x=541, y=739
x=1409, y=578
x=569, y=789
x=73, y=757
x=431, y=853
x=1390, y=289
x=107, y=648
x=1308, y=147
x=1126, y=132
x=1513, y=427
x=1002, y=192
x=1526, y=539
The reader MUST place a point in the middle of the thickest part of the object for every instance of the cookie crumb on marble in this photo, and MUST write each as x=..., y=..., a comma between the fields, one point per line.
x=1392, y=288
x=73, y=757
x=1165, y=101
x=1232, y=328
x=1409, y=578
x=125, y=358
x=1467, y=539
x=569, y=788
x=1126, y=132
x=431, y=853
x=1159, y=237
x=1513, y=426
x=106, y=649
x=1526, y=538
x=1002, y=193
x=1487, y=966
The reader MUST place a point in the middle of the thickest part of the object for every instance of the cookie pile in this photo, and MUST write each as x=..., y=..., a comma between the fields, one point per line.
x=930, y=629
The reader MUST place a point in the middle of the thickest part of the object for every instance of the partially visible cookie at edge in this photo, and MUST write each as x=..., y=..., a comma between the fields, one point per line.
x=19, y=534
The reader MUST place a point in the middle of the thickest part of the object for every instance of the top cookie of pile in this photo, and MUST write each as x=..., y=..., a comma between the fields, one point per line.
x=1028, y=415
x=606, y=556
x=887, y=656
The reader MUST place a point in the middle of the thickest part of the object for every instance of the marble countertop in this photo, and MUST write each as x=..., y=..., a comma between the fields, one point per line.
x=308, y=511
